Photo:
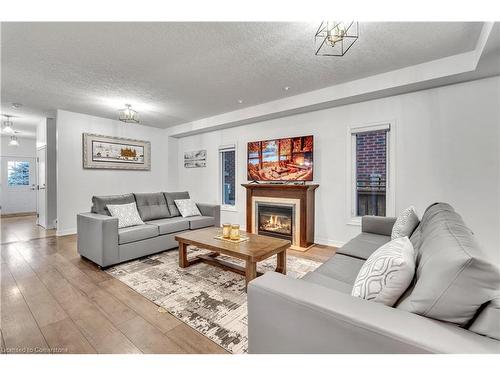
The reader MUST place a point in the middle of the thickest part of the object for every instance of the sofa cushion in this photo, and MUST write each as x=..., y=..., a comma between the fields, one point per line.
x=328, y=282
x=453, y=276
x=387, y=273
x=152, y=206
x=171, y=197
x=487, y=322
x=363, y=245
x=99, y=203
x=137, y=233
x=197, y=222
x=342, y=268
x=170, y=225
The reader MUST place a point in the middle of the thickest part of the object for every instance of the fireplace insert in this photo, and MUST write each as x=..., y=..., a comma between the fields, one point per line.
x=275, y=221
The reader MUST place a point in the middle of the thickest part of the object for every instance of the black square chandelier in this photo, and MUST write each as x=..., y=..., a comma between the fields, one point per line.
x=334, y=38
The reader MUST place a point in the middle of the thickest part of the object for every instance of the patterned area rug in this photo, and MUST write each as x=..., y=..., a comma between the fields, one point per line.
x=207, y=298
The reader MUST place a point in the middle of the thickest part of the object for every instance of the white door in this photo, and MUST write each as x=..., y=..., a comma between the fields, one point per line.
x=41, y=192
x=18, y=185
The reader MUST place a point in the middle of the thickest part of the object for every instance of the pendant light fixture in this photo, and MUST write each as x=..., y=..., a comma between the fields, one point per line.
x=13, y=141
x=8, y=126
x=334, y=38
x=128, y=115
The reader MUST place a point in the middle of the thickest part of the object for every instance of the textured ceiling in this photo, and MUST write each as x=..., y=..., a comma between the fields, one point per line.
x=174, y=73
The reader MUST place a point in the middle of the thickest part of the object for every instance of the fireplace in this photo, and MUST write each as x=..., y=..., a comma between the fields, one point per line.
x=275, y=220
x=282, y=210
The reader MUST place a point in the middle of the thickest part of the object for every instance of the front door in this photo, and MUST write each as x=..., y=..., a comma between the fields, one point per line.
x=18, y=185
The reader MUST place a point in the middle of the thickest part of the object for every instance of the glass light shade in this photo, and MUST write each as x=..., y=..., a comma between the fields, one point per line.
x=13, y=141
x=335, y=38
x=128, y=115
x=7, y=127
x=335, y=32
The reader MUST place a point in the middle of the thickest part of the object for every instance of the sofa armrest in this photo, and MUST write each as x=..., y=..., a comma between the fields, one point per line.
x=377, y=224
x=98, y=238
x=210, y=210
x=287, y=315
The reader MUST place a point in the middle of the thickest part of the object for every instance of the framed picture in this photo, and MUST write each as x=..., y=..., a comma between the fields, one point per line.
x=103, y=152
x=195, y=159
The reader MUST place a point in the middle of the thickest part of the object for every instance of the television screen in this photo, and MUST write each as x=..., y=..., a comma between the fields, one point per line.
x=285, y=159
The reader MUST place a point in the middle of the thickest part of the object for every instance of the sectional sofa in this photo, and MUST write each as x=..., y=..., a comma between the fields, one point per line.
x=100, y=240
x=452, y=306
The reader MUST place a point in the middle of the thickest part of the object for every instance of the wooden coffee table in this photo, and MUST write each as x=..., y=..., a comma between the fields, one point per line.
x=255, y=249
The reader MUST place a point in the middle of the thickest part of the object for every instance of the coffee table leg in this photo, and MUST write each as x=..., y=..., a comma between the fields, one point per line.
x=281, y=263
x=250, y=271
x=183, y=261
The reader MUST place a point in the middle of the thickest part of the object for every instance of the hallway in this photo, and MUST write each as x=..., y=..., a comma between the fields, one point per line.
x=22, y=228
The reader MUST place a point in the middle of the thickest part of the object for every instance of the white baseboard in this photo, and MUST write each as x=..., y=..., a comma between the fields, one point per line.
x=65, y=232
x=328, y=242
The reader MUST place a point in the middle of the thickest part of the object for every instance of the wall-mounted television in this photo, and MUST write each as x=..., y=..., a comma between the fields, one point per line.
x=284, y=159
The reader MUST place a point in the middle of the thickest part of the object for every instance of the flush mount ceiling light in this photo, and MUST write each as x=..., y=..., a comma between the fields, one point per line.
x=13, y=141
x=8, y=125
x=334, y=38
x=16, y=105
x=128, y=115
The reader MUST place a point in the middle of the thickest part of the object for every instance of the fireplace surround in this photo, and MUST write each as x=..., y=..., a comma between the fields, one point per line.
x=297, y=198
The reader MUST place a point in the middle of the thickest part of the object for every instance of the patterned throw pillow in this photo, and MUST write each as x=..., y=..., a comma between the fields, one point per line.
x=405, y=224
x=127, y=214
x=187, y=207
x=387, y=273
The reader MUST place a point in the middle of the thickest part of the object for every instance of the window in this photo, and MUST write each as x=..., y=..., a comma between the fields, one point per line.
x=228, y=176
x=370, y=171
x=18, y=173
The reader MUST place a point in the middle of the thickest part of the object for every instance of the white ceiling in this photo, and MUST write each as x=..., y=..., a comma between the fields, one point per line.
x=173, y=73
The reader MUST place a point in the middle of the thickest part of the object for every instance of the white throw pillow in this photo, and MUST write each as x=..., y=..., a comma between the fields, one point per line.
x=387, y=273
x=187, y=207
x=127, y=214
x=405, y=224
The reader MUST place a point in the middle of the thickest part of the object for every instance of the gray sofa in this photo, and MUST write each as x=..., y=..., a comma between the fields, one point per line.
x=100, y=240
x=452, y=306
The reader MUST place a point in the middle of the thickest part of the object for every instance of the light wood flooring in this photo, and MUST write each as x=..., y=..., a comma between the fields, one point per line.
x=53, y=301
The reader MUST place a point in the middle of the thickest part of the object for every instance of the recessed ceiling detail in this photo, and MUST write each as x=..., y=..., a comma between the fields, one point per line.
x=87, y=67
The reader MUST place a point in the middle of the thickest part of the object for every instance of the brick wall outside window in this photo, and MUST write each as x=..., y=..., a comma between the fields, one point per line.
x=371, y=173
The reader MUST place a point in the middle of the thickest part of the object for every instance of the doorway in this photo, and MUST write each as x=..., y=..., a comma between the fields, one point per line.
x=18, y=185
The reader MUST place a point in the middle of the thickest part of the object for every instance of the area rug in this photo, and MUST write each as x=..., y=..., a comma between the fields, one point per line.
x=210, y=300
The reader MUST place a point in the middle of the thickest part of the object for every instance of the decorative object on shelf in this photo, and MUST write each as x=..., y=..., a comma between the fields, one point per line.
x=104, y=152
x=335, y=38
x=195, y=159
x=226, y=230
x=13, y=141
x=128, y=115
x=235, y=232
x=8, y=125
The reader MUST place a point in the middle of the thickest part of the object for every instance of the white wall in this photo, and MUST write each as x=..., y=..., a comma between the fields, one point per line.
x=446, y=150
x=76, y=186
x=17, y=199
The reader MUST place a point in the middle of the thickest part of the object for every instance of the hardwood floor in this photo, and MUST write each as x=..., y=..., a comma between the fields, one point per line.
x=53, y=301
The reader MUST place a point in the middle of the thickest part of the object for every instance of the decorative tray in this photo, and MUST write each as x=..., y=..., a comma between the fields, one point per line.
x=242, y=239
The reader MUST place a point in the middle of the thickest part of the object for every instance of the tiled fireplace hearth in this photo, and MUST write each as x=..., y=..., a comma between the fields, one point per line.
x=282, y=211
